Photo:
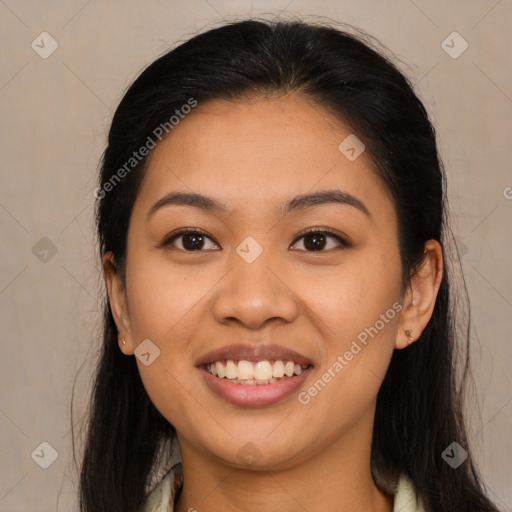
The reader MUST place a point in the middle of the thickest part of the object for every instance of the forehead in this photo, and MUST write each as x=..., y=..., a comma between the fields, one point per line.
x=256, y=151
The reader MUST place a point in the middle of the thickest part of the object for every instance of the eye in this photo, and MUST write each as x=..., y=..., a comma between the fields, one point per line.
x=192, y=239
x=316, y=239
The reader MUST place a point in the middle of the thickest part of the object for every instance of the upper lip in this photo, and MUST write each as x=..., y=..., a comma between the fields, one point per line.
x=253, y=353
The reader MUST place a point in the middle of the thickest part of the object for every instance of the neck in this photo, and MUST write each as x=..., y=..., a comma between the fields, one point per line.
x=337, y=478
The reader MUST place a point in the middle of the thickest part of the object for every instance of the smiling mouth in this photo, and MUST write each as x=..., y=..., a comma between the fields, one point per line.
x=255, y=373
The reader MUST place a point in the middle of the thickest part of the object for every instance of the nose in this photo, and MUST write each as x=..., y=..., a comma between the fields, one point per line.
x=255, y=293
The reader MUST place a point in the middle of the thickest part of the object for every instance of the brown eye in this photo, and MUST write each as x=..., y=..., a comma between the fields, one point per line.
x=316, y=240
x=191, y=240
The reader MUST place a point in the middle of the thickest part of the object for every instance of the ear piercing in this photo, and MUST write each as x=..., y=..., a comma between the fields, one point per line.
x=124, y=342
x=408, y=332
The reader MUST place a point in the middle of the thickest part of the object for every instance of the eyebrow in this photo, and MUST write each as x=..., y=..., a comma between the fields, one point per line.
x=297, y=203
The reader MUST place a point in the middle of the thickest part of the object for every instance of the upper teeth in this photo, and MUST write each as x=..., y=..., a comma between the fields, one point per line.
x=247, y=370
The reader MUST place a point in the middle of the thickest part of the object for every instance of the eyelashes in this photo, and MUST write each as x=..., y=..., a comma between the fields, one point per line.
x=196, y=234
x=317, y=239
x=322, y=234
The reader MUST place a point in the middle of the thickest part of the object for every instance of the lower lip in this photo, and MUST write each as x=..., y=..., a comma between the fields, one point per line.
x=255, y=395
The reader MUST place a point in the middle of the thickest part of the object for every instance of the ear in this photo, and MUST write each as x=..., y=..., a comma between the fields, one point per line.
x=118, y=303
x=423, y=290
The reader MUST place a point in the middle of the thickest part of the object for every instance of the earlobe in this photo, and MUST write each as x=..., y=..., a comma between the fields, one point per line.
x=408, y=333
x=117, y=300
x=420, y=298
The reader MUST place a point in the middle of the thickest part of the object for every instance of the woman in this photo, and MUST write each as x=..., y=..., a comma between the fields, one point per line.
x=272, y=222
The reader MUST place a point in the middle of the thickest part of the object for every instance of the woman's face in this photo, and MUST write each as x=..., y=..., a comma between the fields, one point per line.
x=255, y=280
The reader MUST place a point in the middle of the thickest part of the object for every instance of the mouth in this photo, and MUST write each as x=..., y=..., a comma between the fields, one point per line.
x=254, y=373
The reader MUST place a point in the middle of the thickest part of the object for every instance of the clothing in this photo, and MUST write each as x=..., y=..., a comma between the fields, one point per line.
x=162, y=497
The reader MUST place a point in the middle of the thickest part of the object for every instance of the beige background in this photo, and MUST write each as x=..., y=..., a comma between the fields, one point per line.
x=54, y=116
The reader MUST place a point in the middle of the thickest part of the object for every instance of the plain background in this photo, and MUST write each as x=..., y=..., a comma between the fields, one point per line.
x=55, y=113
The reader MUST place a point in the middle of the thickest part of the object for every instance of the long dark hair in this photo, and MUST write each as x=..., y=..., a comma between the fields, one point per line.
x=419, y=410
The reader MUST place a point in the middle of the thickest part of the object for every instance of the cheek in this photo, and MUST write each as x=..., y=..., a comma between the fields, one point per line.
x=163, y=297
x=170, y=392
x=351, y=296
x=358, y=310
x=356, y=360
x=165, y=307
